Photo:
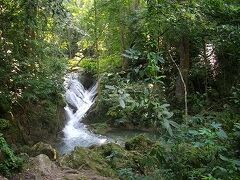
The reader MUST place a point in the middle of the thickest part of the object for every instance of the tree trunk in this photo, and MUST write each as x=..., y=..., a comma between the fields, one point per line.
x=184, y=67
x=123, y=47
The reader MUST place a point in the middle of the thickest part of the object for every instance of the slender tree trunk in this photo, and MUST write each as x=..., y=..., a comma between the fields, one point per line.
x=184, y=86
x=123, y=47
x=206, y=62
x=184, y=68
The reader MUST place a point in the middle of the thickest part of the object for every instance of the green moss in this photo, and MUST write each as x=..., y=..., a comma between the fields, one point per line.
x=86, y=158
x=100, y=128
x=140, y=143
x=115, y=155
x=106, y=159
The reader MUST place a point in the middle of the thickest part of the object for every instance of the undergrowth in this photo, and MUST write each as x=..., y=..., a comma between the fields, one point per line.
x=9, y=162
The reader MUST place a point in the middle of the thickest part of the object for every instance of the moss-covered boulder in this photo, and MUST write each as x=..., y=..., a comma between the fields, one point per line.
x=115, y=155
x=43, y=148
x=141, y=156
x=107, y=159
x=87, y=159
x=139, y=143
x=100, y=128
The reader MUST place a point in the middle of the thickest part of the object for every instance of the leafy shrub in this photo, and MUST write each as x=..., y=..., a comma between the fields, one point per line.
x=109, y=63
x=8, y=161
x=89, y=65
x=101, y=65
x=140, y=143
x=4, y=124
x=197, y=102
x=139, y=104
x=235, y=98
x=126, y=173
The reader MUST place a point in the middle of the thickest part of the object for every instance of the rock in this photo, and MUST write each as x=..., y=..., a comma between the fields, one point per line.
x=42, y=168
x=43, y=148
x=83, y=158
x=40, y=165
x=100, y=128
x=105, y=160
x=140, y=143
x=24, y=156
x=86, y=79
x=37, y=168
x=3, y=178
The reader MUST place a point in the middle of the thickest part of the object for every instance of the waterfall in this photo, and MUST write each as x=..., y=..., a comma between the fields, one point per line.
x=78, y=101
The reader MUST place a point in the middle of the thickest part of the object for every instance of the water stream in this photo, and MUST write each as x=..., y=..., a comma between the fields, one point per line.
x=78, y=101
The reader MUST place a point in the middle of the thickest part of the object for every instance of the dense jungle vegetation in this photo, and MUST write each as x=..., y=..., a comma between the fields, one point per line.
x=171, y=67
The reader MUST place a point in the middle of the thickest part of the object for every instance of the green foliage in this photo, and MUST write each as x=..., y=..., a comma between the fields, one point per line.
x=126, y=173
x=32, y=63
x=9, y=162
x=139, y=104
x=90, y=65
x=4, y=124
x=196, y=152
x=110, y=63
x=235, y=98
x=139, y=143
x=101, y=65
x=197, y=102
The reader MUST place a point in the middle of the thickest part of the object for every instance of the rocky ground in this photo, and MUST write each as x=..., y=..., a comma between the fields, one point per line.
x=42, y=162
x=42, y=168
x=109, y=161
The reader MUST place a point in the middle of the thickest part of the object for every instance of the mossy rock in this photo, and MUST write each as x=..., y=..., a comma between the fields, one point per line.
x=139, y=143
x=106, y=159
x=115, y=155
x=87, y=158
x=100, y=128
x=43, y=148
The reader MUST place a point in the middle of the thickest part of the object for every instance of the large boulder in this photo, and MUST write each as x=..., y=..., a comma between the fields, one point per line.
x=41, y=164
x=38, y=168
x=43, y=148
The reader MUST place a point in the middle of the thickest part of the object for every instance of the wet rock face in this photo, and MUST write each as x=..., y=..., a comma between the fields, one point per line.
x=86, y=79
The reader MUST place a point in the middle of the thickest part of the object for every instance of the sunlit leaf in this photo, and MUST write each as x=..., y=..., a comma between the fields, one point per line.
x=122, y=103
x=221, y=134
x=110, y=87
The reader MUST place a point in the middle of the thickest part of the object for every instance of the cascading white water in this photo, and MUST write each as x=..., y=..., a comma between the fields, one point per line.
x=79, y=101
